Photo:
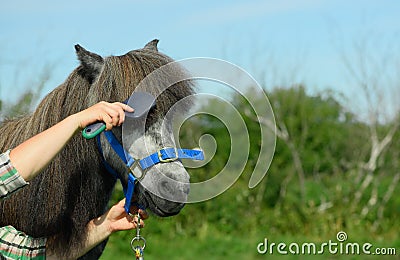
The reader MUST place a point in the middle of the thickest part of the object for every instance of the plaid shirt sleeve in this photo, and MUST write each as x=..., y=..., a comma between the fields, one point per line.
x=13, y=243
x=10, y=180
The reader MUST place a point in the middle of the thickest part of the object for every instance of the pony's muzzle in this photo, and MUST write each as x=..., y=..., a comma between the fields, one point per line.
x=174, y=192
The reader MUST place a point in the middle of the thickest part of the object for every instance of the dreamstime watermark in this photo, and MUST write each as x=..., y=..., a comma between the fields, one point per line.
x=340, y=246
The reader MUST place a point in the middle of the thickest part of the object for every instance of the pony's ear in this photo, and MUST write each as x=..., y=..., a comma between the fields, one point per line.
x=152, y=45
x=91, y=62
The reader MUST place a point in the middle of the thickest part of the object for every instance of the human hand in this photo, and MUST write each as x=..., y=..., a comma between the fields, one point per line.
x=112, y=114
x=117, y=219
x=98, y=229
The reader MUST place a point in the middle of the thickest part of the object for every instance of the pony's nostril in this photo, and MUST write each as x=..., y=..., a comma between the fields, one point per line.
x=173, y=192
x=166, y=188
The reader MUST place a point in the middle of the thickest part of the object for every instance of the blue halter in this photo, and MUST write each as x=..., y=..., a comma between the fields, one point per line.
x=164, y=155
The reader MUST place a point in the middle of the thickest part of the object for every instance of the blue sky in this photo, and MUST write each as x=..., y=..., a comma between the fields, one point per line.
x=272, y=38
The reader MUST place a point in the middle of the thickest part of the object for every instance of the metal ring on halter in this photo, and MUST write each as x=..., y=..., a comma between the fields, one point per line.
x=138, y=238
x=142, y=171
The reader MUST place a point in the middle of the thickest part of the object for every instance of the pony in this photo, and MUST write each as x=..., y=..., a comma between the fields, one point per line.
x=76, y=187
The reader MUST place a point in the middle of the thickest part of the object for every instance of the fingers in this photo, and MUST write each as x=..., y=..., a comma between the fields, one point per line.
x=134, y=210
x=125, y=107
x=114, y=113
x=121, y=203
x=135, y=221
x=143, y=213
x=118, y=219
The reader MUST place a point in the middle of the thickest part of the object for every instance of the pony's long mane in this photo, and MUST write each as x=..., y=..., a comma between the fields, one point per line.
x=75, y=187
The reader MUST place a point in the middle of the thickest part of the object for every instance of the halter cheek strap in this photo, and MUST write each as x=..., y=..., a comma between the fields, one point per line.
x=129, y=178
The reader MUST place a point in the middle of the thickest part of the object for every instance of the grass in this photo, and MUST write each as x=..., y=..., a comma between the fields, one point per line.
x=229, y=227
x=216, y=245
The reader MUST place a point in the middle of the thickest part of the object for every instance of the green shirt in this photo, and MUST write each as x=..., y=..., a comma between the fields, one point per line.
x=15, y=244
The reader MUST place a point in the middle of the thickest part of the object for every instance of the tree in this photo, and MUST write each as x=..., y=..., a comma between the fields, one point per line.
x=313, y=129
x=374, y=73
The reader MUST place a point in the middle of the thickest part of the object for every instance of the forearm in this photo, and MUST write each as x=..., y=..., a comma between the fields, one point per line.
x=33, y=155
x=102, y=227
x=98, y=230
x=115, y=219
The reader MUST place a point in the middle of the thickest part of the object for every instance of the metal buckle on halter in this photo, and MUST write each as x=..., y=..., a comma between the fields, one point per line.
x=135, y=165
x=168, y=159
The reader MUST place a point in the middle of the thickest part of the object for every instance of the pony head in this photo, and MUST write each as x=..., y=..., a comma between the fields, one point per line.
x=165, y=187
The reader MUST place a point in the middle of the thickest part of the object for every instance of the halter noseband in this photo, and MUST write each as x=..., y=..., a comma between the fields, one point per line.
x=129, y=178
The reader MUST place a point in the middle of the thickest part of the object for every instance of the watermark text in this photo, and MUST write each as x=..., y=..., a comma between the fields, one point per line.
x=339, y=246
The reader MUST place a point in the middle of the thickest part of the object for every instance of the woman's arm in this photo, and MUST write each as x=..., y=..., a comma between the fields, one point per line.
x=100, y=228
x=33, y=155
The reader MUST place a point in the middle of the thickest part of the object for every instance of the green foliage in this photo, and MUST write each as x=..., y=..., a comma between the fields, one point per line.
x=331, y=144
x=26, y=101
x=318, y=125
